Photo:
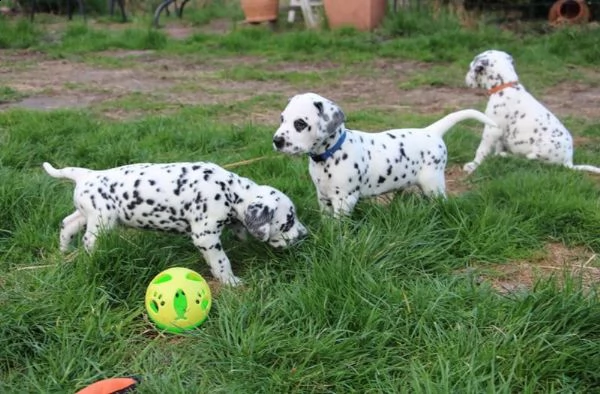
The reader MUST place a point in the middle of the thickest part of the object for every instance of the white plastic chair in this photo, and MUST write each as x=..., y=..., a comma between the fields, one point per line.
x=306, y=6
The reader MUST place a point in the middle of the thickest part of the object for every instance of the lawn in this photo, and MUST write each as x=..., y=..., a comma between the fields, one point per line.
x=494, y=290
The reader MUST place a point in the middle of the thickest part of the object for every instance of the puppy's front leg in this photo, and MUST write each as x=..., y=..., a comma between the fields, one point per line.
x=489, y=140
x=239, y=230
x=324, y=203
x=210, y=246
x=343, y=206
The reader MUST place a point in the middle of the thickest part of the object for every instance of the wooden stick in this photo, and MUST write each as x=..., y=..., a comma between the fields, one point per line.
x=244, y=162
x=589, y=261
x=33, y=267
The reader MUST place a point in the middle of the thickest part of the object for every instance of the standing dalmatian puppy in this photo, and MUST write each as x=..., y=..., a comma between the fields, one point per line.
x=346, y=165
x=525, y=126
x=193, y=198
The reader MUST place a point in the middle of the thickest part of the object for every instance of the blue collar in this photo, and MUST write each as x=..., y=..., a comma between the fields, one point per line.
x=329, y=152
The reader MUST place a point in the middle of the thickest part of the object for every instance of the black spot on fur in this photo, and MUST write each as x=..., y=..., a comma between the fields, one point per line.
x=319, y=106
x=300, y=124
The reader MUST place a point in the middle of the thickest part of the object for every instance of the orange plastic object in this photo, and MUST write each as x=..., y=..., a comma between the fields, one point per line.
x=260, y=10
x=111, y=386
x=362, y=14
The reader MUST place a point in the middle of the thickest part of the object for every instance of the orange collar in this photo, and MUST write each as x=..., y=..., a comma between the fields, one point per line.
x=498, y=88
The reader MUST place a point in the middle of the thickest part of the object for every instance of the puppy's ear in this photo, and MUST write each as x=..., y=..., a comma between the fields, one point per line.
x=319, y=106
x=512, y=61
x=481, y=65
x=257, y=220
x=337, y=118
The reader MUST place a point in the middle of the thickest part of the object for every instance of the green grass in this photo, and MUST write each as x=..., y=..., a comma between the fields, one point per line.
x=8, y=94
x=379, y=302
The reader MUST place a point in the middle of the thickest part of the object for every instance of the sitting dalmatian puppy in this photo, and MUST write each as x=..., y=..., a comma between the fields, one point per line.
x=346, y=165
x=526, y=127
x=192, y=198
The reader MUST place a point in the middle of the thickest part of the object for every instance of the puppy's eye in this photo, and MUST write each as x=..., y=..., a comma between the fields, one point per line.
x=300, y=125
x=479, y=69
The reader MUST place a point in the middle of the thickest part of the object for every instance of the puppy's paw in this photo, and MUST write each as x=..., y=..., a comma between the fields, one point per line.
x=470, y=167
x=240, y=232
x=231, y=280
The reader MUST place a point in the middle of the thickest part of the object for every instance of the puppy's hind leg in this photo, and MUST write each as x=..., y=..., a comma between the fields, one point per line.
x=70, y=226
x=499, y=149
x=433, y=183
x=96, y=224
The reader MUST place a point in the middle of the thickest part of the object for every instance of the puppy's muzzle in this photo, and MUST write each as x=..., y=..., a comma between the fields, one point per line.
x=302, y=234
x=278, y=142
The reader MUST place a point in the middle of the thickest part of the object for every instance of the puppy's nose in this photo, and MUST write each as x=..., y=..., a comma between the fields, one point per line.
x=278, y=142
x=303, y=233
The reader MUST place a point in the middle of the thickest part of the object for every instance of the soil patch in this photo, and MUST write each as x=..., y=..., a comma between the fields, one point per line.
x=190, y=81
x=179, y=32
x=573, y=99
x=144, y=54
x=53, y=75
x=456, y=180
x=217, y=26
x=557, y=260
x=54, y=102
x=19, y=56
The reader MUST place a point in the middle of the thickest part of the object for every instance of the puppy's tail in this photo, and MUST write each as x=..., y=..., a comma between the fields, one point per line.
x=72, y=173
x=585, y=167
x=441, y=126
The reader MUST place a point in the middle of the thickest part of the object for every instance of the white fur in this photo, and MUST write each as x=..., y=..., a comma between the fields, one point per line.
x=367, y=164
x=526, y=127
x=193, y=198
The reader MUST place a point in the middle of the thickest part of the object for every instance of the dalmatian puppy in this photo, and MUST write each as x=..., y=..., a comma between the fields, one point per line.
x=192, y=198
x=525, y=126
x=346, y=165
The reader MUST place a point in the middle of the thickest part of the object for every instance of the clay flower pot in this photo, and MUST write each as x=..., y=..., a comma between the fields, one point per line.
x=569, y=12
x=362, y=14
x=260, y=10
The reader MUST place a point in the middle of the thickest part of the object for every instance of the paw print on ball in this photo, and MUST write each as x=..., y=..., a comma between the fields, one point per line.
x=156, y=303
x=202, y=300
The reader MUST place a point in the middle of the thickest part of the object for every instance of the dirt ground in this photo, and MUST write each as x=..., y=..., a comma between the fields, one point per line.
x=556, y=261
x=46, y=84
x=51, y=84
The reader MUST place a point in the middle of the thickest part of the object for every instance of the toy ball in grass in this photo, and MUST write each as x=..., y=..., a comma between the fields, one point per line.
x=178, y=299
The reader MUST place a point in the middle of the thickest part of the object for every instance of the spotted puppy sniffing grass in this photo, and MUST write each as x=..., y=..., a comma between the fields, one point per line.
x=346, y=165
x=525, y=126
x=194, y=198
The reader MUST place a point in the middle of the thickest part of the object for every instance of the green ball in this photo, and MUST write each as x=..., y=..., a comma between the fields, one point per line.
x=178, y=299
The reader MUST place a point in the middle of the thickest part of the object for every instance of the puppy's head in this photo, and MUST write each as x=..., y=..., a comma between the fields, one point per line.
x=308, y=123
x=491, y=68
x=271, y=217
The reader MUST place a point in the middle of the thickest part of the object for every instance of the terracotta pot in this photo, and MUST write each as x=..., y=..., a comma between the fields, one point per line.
x=569, y=12
x=361, y=14
x=260, y=10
